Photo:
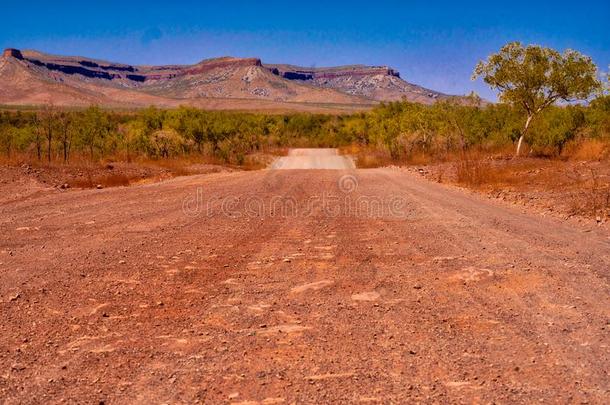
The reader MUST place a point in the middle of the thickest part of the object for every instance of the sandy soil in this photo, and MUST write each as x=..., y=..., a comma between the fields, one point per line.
x=294, y=286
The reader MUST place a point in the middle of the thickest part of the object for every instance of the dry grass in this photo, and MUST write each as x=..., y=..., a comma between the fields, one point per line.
x=117, y=171
x=567, y=186
x=367, y=157
x=81, y=172
x=372, y=160
x=592, y=184
x=472, y=172
x=176, y=166
x=589, y=150
x=475, y=170
x=371, y=157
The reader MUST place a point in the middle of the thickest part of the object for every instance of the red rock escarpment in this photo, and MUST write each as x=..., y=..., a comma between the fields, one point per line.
x=11, y=52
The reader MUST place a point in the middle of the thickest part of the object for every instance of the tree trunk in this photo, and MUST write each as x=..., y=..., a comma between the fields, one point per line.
x=49, y=139
x=64, y=141
x=39, y=148
x=520, y=143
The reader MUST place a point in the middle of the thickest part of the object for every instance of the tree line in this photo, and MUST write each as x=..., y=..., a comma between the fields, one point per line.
x=400, y=129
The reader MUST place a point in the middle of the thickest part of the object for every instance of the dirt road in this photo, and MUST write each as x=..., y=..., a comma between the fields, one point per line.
x=313, y=159
x=298, y=286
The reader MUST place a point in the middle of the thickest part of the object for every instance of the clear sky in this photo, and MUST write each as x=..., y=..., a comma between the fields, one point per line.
x=432, y=43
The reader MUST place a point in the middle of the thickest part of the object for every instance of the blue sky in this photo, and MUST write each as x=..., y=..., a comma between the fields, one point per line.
x=432, y=43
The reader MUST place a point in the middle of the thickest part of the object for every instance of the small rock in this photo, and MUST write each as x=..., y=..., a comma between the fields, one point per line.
x=122, y=262
x=287, y=260
x=417, y=286
x=99, y=187
x=14, y=297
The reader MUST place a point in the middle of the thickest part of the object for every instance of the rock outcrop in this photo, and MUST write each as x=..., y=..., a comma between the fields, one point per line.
x=12, y=53
x=380, y=83
x=169, y=72
x=299, y=73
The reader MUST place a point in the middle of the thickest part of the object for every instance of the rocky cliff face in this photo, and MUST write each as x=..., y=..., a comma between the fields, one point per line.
x=299, y=73
x=170, y=72
x=379, y=83
x=92, y=69
x=220, y=78
x=12, y=53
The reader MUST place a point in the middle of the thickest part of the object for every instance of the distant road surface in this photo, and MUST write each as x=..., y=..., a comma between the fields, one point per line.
x=313, y=159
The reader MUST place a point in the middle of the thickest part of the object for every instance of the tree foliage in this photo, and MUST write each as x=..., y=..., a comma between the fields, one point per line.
x=532, y=78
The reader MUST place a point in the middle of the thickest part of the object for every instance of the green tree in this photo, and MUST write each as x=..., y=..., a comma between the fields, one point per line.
x=532, y=78
x=190, y=123
x=38, y=137
x=65, y=131
x=166, y=143
x=93, y=126
x=47, y=119
x=7, y=139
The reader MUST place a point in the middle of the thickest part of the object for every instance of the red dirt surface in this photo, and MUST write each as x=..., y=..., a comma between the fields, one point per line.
x=123, y=296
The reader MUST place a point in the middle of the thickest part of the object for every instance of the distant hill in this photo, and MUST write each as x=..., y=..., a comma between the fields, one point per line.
x=34, y=78
x=379, y=83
